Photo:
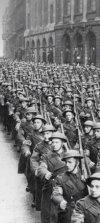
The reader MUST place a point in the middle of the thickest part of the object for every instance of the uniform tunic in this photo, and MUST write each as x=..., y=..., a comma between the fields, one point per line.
x=87, y=210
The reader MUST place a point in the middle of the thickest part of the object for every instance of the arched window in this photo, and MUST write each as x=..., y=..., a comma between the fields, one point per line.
x=28, y=20
x=68, y=7
x=78, y=6
x=50, y=54
x=38, y=50
x=51, y=14
x=91, y=5
x=27, y=45
x=33, y=44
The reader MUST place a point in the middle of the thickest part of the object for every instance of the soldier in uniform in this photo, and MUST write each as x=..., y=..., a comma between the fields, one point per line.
x=94, y=145
x=88, y=209
x=70, y=127
x=51, y=165
x=68, y=188
x=23, y=136
x=35, y=137
x=44, y=147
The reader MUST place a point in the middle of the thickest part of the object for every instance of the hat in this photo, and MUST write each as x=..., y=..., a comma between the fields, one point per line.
x=69, y=90
x=40, y=117
x=95, y=176
x=67, y=103
x=30, y=110
x=89, y=99
x=97, y=125
x=57, y=97
x=89, y=123
x=72, y=153
x=56, y=86
x=50, y=95
x=48, y=128
x=67, y=110
x=44, y=85
x=58, y=135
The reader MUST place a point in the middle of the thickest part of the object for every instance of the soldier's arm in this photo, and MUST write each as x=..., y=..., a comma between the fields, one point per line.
x=42, y=170
x=78, y=215
x=20, y=134
x=34, y=161
x=57, y=194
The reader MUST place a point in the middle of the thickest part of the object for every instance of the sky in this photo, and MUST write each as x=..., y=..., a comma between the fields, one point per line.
x=3, y=4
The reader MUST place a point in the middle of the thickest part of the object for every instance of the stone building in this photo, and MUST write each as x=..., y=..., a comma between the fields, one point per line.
x=53, y=30
x=40, y=33
x=13, y=29
x=77, y=31
x=63, y=30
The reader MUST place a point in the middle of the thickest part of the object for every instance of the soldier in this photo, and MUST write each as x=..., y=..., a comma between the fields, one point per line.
x=89, y=134
x=70, y=127
x=68, y=188
x=23, y=136
x=94, y=145
x=51, y=165
x=44, y=147
x=88, y=208
x=35, y=137
x=97, y=118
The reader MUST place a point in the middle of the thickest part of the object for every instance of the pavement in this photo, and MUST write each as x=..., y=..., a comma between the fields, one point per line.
x=15, y=202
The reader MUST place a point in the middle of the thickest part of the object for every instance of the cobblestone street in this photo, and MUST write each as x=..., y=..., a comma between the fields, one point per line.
x=15, y=202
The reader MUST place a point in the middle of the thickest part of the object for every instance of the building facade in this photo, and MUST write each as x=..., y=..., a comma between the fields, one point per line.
x=13, y=29
x=61, y=31
x=40, y=34
x=77, y=31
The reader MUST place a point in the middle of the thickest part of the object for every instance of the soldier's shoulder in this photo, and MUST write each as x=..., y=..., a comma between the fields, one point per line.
x=85, y=202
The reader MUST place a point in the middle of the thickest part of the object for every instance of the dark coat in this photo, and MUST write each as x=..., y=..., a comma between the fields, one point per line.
x=87, y=210
x=55, y=166
x=40, y=149
x=73, y=190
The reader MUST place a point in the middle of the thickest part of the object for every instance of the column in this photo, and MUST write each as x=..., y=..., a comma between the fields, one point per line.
x=59, y=11
x=97, y=10
x=62, y=10
x=72, y=48
x=72, y=12
x=49, y=12
x=42, y=12
x=84, y=19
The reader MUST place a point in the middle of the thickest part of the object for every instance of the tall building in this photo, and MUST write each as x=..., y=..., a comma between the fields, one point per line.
x=61, y=31
x=77, y=31
x=40, y=33
x=13, y=28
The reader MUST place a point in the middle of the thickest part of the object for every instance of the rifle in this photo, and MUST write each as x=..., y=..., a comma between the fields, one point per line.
x=84, y=165
x=41, y=110
x=68, y=146
x=92, y=115
x=94, y=99
x=77, y=117
x=82, y=98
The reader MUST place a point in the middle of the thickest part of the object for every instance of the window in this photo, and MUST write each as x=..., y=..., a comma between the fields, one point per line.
x=28, y=20
x=51, y=14
x=78, y=6
x=92, y=5
x=81, y=6
x=68, y=7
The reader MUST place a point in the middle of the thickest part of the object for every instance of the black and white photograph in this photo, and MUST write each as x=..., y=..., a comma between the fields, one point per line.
x=49, y=111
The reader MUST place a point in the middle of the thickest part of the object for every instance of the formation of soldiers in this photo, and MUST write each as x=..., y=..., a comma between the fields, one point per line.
x=52, y=112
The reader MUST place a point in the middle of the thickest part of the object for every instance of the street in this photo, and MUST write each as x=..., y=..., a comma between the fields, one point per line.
x=15, y=202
